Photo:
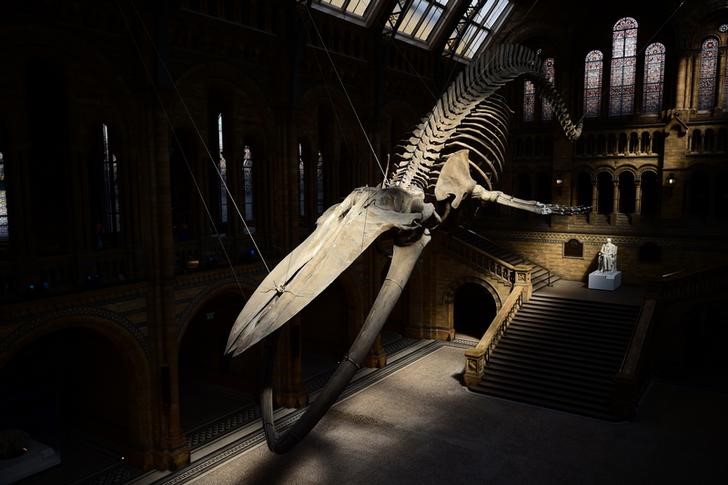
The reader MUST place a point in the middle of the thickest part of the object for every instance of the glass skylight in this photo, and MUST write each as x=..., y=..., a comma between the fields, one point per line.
x=357, y=8
x=422, y=19
x=481, y=18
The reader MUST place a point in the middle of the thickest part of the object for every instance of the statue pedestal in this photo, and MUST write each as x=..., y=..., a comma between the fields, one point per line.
x=605, y=280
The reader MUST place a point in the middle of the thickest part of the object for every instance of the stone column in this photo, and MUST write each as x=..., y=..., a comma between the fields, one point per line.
x=681, y=90
x=595, y=202
x=175, y=452
x=289, y=381
x=637, y=201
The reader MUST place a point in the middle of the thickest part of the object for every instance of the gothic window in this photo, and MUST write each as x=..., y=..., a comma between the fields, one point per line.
x=654, y=78
x=422, y=18
x=112, y=209
x=222, y=172
x=4, y=234
x=529, y=100
x=319, y=183
x=301, y=182
x=593, y=64
x=549, y=71
x=708, y=69
x=624, y=60
x=248, y=183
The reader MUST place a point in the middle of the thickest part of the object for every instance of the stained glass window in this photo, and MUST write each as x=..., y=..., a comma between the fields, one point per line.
x=248, y=183
x=529, y=100
x=301, y=183
x=112, y=209
x=654, y=78
x=708, y=68
x=624, y=60
x=4, y=233
x=319, y=183
x=222, y=170
x=593, y=64
x=422, y=18
x=549, y=71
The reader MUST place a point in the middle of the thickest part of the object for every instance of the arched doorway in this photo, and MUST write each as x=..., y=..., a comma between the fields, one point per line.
x=699, y=193
x=211, y=383
x=650, y=195
x=325, y=332
x=83, y=394
x=626, y=193
x=606, y=193
x=474, y=309
x=583, y=189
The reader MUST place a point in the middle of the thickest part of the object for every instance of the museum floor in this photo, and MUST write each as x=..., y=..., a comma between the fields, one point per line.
x=420, y=425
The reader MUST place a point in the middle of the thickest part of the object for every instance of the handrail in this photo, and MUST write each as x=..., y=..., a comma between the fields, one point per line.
x=477, y=357
x=503, y=270
x=631, y=359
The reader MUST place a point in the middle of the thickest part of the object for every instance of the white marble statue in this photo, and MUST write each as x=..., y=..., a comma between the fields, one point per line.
x=608, y=256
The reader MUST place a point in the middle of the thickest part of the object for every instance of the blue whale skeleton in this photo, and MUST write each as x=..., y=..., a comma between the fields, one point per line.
x=456, y=152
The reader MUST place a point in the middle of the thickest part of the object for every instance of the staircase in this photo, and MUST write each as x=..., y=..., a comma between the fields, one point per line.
x=562, y=354
x=540, y=276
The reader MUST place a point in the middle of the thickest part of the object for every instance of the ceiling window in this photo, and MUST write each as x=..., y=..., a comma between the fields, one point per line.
x=481, y=18
x=422, y=19
x=355, y=8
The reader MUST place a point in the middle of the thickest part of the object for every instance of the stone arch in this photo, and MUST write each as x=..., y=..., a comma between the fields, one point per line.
x=201, y=299
x=132, y=350
x=448, y=298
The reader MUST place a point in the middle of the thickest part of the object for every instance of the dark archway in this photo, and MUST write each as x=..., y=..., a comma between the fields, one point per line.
x=583, y=189
x=78, y=392
x=650, y=195
x=699, y=193
x=211, y=383
x=606, y=193
x=626, y=193
x=474, y=309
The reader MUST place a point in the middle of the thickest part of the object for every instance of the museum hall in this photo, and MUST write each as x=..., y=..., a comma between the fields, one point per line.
x=363, y=242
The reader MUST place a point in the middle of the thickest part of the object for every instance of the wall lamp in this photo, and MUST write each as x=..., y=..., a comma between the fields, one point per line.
x=671, y=179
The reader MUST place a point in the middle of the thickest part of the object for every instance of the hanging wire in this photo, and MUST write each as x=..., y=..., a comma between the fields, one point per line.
x=197, y=130
x=346, y=92
x=181, y=149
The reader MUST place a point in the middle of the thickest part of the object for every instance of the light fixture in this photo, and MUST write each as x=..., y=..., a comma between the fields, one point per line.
x=558, y=180
x=671, y=179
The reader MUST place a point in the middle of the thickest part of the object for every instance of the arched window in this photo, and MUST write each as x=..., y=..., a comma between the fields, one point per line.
x=222, y=174
x=593, y=64
x=549, y=71
x=624, y=60
x=708, y=69
x=529, y=100
x=319, y=183
x=248, y=183
x=112, y=210
x=4, y=232
x=654, y=78
x=301, y=182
